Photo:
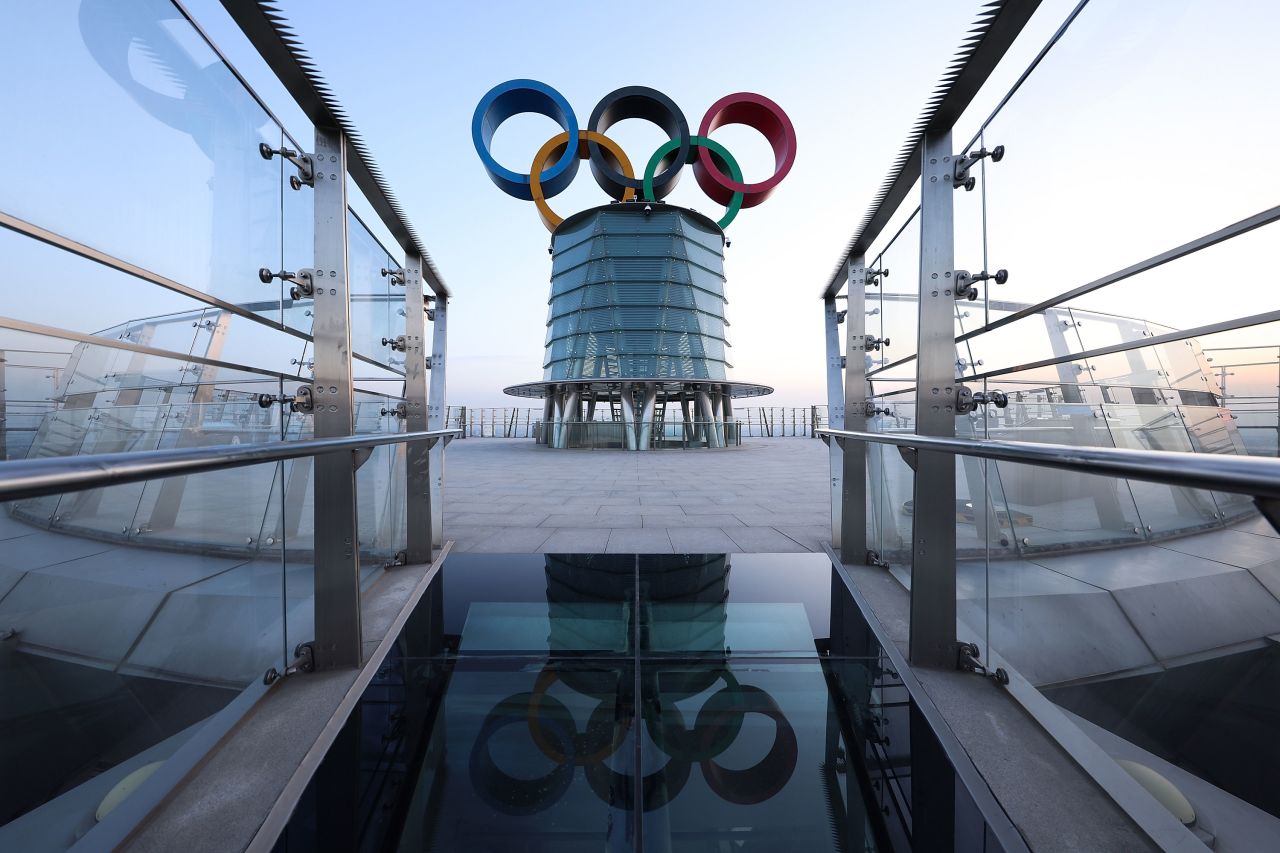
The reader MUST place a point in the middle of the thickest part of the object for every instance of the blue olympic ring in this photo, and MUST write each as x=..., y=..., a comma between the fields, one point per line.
x=524, y=96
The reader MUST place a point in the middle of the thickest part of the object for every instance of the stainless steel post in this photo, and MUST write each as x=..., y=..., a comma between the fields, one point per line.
x=337, y=560
x=648, y=411
x=419, y=517
x=628, y=416
x=730, y=429
x=835, y=413
x=4, y=423
x=707, y=416
x=572, y=415
x=933, y=569
x=689, y=433
x=437, y=413
x=548, y=416
x=853, y=480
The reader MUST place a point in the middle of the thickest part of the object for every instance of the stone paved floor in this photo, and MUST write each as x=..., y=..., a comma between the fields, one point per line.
x=511, y=495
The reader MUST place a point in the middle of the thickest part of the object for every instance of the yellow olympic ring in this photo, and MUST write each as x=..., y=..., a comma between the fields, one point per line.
x=554, y=149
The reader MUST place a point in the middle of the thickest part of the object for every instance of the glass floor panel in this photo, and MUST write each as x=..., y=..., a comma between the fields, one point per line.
x=560, y=703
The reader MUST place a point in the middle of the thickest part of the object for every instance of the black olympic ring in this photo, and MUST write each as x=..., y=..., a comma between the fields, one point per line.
x=651, y=105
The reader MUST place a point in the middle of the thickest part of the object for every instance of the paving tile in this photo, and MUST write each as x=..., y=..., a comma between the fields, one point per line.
x=576, y=540
x=763, y=540
x=513, y=540
x=811, y=536
x=713, y=508
x=692, y=521
x=781, y=519
x=597, y=521
x=701, y=540
x=496, y=520
x=646, y=541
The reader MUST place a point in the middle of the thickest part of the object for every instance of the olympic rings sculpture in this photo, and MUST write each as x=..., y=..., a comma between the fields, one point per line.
x=556, y=163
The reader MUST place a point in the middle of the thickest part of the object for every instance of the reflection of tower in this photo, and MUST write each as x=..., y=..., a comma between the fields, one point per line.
x=637, y=323
x=682, y=597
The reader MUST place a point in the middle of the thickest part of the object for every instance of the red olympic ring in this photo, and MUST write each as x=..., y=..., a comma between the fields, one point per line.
x=764, y=116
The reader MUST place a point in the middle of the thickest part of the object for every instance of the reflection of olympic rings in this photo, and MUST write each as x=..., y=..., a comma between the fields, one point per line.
x=714, y=168
x=510, y=794
x=553, y=730
x=601, y=739
x=719, y=151
x=769, y=776
x=587, y=139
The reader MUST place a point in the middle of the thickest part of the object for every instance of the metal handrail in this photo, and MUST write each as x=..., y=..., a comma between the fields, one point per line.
x=32, y=478
x=1246, y=475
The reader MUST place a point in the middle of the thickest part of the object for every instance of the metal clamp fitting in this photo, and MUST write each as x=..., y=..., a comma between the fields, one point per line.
x=303, y=281
x=874, y=344
x=840, y=315
x=968, y=401
x=397, y=344
x=966, y=281
x=301, y=401
x=869, y=410
x=396, y=275
x=960, y=177
x=306, y=166
x=400, y=411
x=304, y=660
x=967, y=660
x=874, y=276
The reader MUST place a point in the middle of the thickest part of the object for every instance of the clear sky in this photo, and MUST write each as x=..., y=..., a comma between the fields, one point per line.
x=1150, y=124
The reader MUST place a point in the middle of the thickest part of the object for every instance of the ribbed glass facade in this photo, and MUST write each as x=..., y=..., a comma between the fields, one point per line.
x=637, y=295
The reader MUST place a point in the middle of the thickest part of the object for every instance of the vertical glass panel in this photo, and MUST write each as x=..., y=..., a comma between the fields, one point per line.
x=376, y=304
x=380, y=487
x=1129, y=84
x=1052, y=509
x=893, y=306
x=137, y=611
x=1039, y=337
x=1164, y=509
x=174, y=182
x=890, y=487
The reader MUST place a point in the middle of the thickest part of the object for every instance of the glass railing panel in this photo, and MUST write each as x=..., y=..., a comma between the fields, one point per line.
x=1127, y=91
x=1051, y=509
x=1046, y=336
x=151, y=605
x=292, y=520
x=1158, y=651
x=137, y=311
x=890, y=486
x=298, y=226
x=377, y=306
x=178, y=184
x=1164, y=509
x=1259, y=430
x=892, y=307
x=380, y=487
x=1215, y=430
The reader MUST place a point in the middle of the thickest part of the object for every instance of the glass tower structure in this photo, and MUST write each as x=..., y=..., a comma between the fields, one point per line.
x=637, y=320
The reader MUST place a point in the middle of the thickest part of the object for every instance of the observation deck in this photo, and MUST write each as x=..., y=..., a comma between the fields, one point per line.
x=1014, y=586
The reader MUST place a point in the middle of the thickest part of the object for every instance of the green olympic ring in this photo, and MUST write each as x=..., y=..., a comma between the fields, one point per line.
x=716, y=149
